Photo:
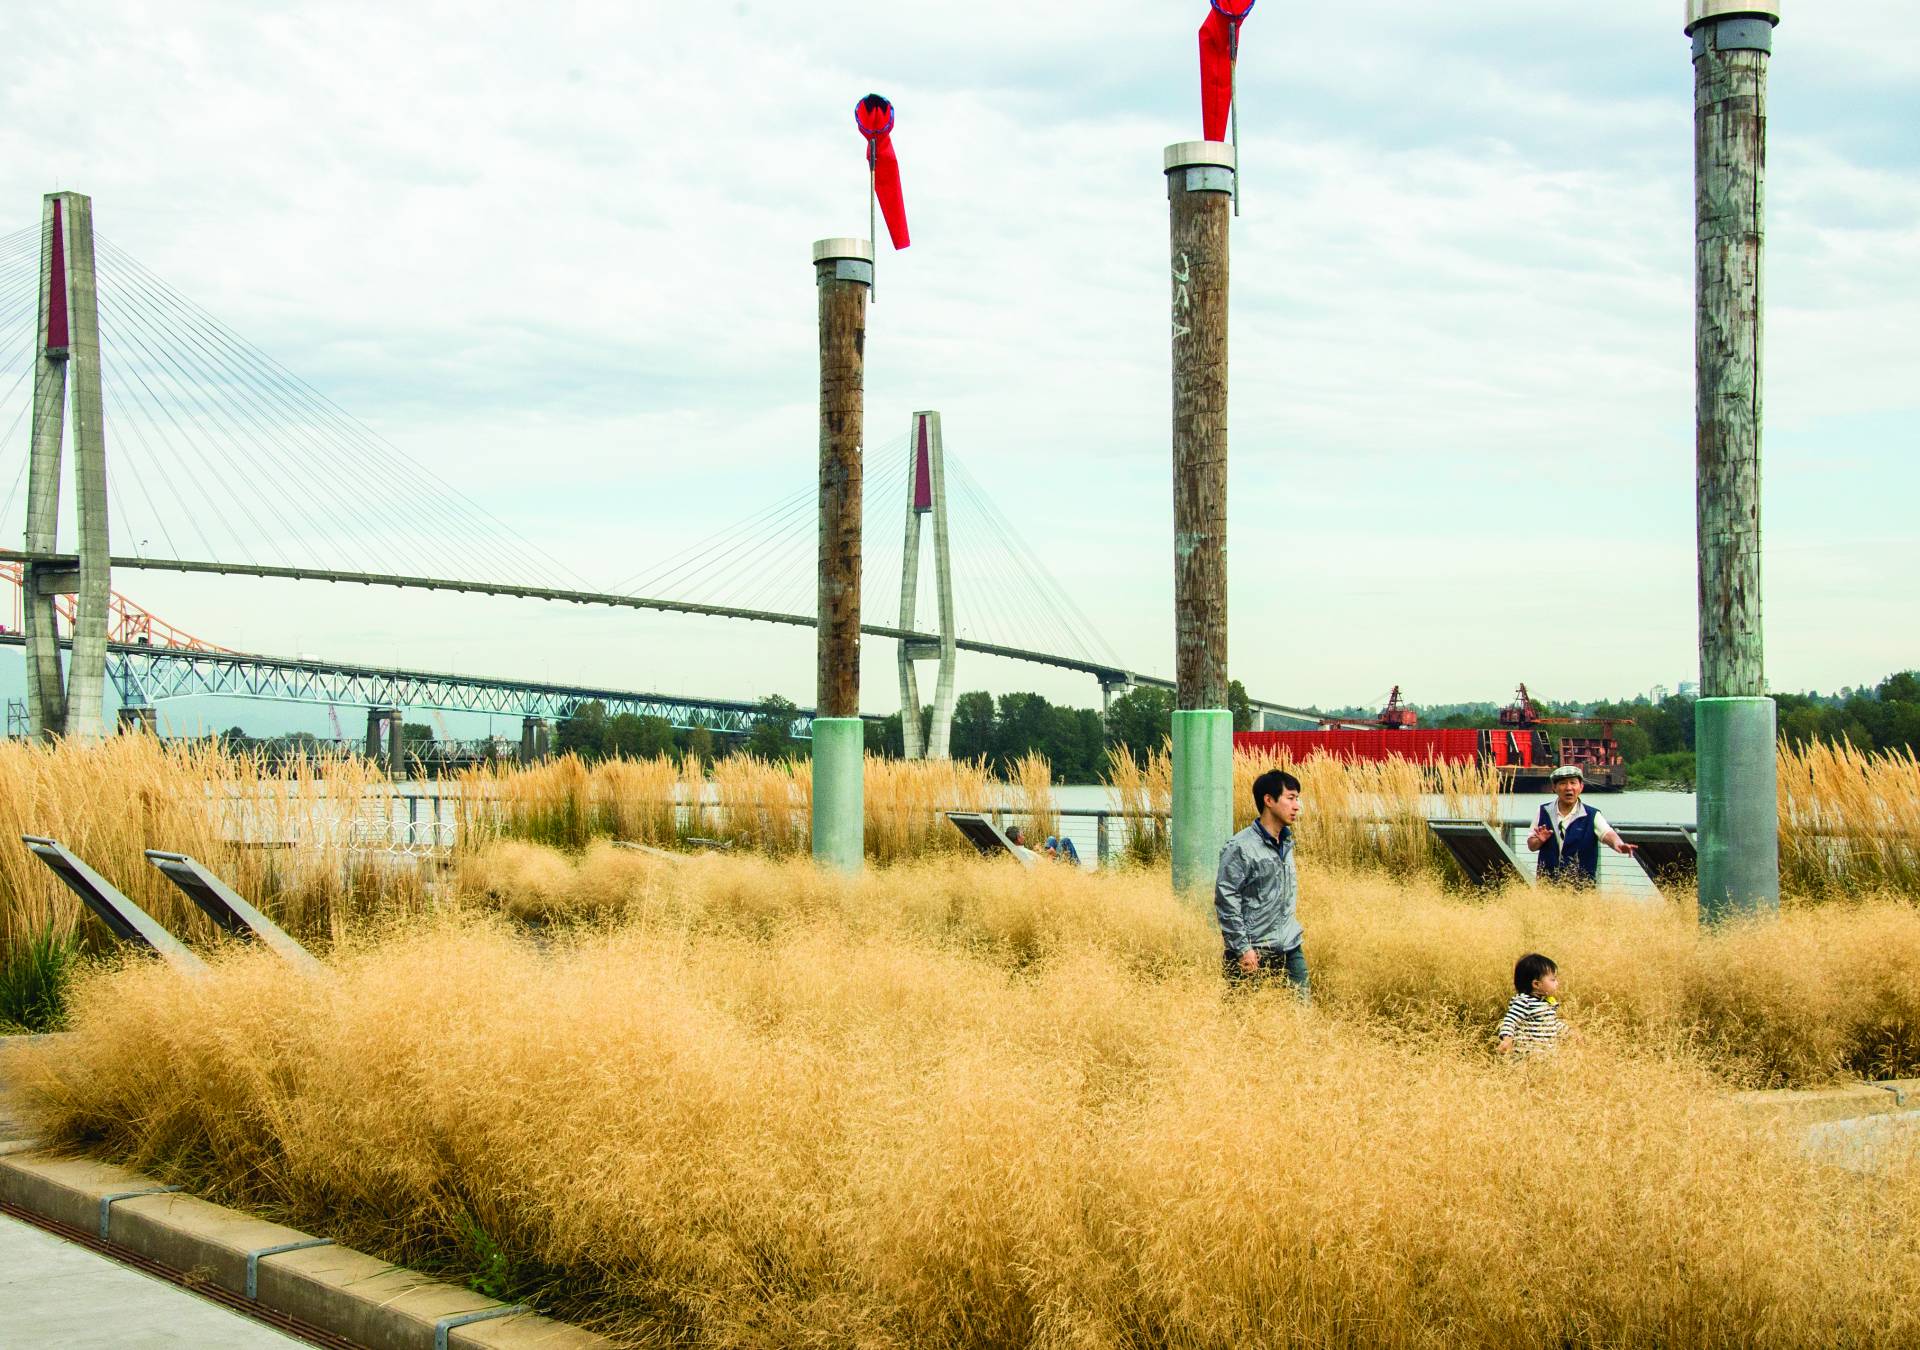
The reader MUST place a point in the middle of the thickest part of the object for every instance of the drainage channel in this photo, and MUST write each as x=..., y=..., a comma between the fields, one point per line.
x=212, y=1293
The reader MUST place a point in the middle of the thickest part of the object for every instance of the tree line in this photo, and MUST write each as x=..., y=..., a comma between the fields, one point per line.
x=1657, y=744
x=999, y=730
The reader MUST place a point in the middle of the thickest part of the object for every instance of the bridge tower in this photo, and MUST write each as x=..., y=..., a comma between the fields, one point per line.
x=67, y=350
x=928, y=499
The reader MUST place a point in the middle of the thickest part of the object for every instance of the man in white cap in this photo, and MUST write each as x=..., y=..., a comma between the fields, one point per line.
x=1568, y=834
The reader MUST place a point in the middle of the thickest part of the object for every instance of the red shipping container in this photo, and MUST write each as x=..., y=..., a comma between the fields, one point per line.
x=1436, y=745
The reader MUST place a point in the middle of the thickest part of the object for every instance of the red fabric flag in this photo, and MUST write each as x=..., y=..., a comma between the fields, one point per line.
x=1219, y=48
x=874, y=116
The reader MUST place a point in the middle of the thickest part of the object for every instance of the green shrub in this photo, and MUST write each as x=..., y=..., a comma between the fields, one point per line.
x=33, y=981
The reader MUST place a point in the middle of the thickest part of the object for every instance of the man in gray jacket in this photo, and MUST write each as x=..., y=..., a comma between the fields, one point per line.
x=1257, y=887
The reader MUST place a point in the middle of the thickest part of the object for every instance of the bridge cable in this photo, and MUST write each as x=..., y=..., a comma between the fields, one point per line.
x=138, y=310
x=1057, y=608
x=356, y=439
x=248, y=399
x=249, y=404
x=1003, y=614
x=692, y=567
x=233, y=469
x=158, y=419
x=127, y=425
x=646, y=578
x=348, y=431
x=1059, y=599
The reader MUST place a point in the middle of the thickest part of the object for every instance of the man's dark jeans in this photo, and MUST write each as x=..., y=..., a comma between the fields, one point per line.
x=1291, y=965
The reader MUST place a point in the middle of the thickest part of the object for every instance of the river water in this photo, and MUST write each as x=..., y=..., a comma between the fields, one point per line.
x=1617, y=873
x=1632, y=808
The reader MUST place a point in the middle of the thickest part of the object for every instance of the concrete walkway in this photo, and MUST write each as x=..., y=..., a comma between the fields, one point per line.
x=56, y=1296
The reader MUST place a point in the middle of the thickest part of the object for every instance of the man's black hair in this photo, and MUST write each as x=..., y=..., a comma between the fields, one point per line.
x=1015, y=835
x=1271, y=784
x=1530, y=968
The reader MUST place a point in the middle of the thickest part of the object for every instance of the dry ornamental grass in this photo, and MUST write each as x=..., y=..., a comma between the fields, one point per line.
x=741, y=1102
x=288, y=836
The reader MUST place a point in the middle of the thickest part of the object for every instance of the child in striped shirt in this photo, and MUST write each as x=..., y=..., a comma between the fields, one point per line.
x=1532, y=1023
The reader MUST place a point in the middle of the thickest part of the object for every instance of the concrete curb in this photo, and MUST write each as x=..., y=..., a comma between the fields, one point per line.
x=1811, y=1106
x=348, y=1294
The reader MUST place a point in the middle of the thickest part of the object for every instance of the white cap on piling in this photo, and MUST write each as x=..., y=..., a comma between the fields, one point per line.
x=832, y=250
x=1199, y=155
x=1707, y=11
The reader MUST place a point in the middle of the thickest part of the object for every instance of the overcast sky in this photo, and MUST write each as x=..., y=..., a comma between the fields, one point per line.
x=558, y=255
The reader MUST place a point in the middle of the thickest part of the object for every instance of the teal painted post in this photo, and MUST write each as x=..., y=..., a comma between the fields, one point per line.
x=839, y=792
x=1202, y=795
x=1734, y=720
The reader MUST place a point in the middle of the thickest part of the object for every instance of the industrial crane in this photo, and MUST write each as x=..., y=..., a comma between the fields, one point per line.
x=1396, y=716
x=1598, y=756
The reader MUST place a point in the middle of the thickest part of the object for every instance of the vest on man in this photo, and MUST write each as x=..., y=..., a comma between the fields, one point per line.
x=1579, y=861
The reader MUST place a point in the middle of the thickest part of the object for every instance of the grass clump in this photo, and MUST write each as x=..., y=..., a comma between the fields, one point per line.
x=33, y=981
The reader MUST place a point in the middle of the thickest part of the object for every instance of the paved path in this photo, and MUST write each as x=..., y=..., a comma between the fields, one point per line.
x=57, y=1296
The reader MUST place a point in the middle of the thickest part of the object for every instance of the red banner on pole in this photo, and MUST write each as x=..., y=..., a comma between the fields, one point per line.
x=874, y=116
x=1219, y=49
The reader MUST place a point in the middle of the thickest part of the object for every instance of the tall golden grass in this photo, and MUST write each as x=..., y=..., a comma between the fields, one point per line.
x=1144, y=793
x=287, y=835
x=740, y=800
x=1372, y=813
x=758, y=1104
x=1848, y=821
x=1823, y=992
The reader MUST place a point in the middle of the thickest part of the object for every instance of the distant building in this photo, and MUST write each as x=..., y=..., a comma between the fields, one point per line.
x=1658, y=694
x=1689, y=689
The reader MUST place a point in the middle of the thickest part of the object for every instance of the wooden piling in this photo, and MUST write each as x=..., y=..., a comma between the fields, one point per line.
x=843, y=272
x=1200, y=207
x=843, y=286
x=1200, y=182
x=1734, y=718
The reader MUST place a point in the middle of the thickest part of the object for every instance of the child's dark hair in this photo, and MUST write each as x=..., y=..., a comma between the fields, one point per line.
x=1530, y=968
x=1271, y=784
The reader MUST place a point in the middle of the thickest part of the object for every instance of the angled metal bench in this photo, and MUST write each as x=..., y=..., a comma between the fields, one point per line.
x=987, y=837
x=665, y=854
x=124, y=919
x=1482, y=854
x=1667, y=853
x=221, y=903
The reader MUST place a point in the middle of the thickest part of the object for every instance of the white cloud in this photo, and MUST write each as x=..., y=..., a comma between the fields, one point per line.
x=560, y=258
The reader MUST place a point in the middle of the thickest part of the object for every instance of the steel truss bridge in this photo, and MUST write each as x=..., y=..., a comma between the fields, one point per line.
x=143, y=675
x=1112, y=678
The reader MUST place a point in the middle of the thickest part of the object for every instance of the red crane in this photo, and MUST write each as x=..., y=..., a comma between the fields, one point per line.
x=1396, y=716
x=1591, y=753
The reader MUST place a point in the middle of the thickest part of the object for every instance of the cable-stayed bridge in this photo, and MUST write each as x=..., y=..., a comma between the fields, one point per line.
x=224, y=462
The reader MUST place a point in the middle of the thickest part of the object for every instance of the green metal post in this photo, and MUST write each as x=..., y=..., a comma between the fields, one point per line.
x=839, y=792
x=1734, y=720
x=1202, y=794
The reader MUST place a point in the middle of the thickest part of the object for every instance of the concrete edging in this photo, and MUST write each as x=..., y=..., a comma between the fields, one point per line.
x=360, y=1298
x=1809, y=1106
